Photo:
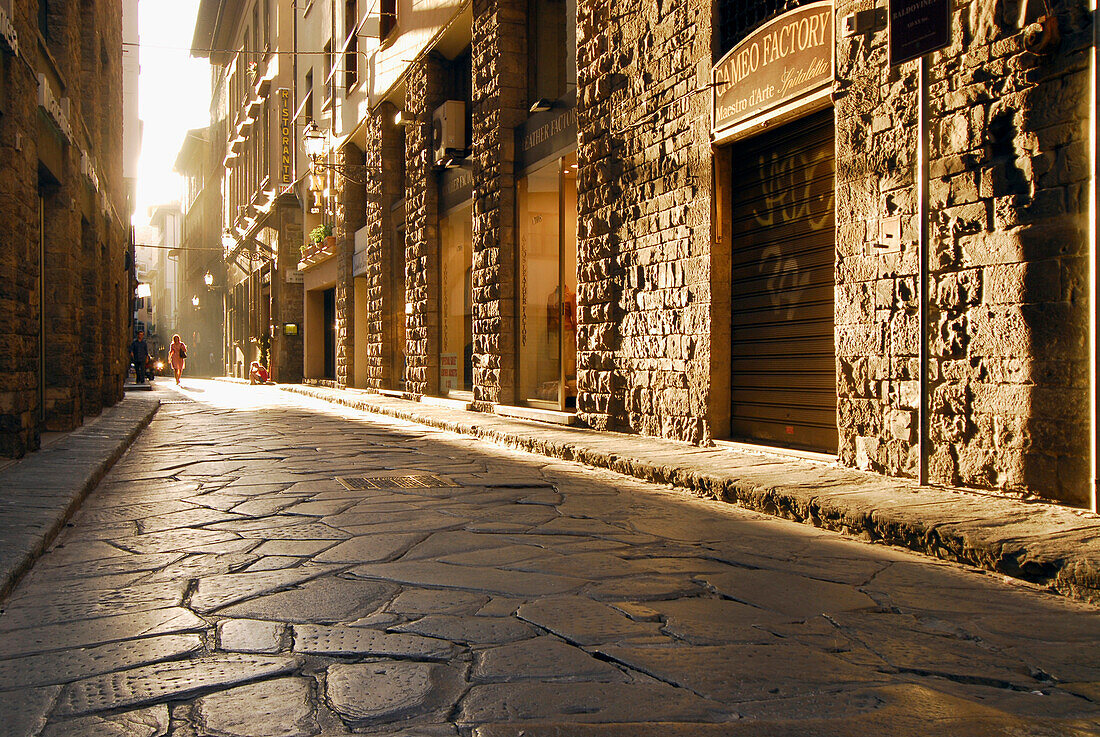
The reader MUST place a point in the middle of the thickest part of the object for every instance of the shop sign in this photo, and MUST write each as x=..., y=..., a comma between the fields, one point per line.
x=456, y=188
x=918, y=27
x=286, y=128
x=89, y=170
x=782, y=61
x=56, y=109
x=448, y=371
x=548, y=133
x=8, y=34
x=359, y=263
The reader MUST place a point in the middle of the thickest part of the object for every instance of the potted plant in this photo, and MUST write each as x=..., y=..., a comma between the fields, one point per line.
x=321, y=234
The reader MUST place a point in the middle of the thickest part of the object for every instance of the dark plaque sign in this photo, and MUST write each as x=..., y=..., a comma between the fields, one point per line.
x=456, y=187
x=918, y=27
x=547, y=133
x=782, y=61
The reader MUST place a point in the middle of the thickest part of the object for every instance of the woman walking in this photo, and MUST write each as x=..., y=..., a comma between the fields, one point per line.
x=177, y=352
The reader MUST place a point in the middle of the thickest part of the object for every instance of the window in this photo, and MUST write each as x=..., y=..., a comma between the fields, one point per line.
x=456, y=342
x=546, y=60
x=307, y=108
x=388, y=20
x=267, y=23
x=328, y=74
x=256, y=30
x=351, y=50
x=546, y=206
x=737, y=17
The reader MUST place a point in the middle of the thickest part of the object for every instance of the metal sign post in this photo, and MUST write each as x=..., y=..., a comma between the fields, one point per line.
x=917, y=28
x=923, y=129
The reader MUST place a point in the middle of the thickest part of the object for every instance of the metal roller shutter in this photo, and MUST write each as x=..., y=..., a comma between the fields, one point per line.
x=783, y=356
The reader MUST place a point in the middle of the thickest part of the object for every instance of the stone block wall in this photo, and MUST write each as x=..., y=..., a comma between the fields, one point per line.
x=385, y=161
x=83, y=289
x=423, y=94
x=350, y=217
x=1007, y=337
x=644, y=216
x=499, y=106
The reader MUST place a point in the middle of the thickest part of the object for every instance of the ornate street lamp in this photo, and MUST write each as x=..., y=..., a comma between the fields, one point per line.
x=315, y=141
x=229, y=240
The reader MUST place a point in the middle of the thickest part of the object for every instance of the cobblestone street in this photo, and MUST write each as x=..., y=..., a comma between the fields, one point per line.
x=262, y=564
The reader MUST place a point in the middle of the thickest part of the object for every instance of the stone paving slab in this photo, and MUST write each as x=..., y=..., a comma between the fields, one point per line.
x=1046, y=544
x=168, y=681
x=42, y=491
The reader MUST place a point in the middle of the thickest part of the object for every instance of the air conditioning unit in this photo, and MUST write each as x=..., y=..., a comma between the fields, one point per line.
x=449, y=130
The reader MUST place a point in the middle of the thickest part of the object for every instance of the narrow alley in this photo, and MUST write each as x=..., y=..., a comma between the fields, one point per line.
x=261, y=564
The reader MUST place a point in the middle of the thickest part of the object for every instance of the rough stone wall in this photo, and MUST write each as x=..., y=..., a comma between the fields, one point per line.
x=64, y=306
x=19, y=297
x=91, y=346
x=1008, y=288
x=84, y=244
x=287, y=298
x=384, y=158
x=499, y=48
x=350, y=217
x=423, y=94
x=644, y=216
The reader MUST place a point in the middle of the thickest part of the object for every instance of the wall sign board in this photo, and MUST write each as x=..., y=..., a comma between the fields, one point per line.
x=785, y=59
x=918, y=27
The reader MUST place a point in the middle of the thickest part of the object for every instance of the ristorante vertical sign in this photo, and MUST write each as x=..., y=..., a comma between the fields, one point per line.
x=286, y=128
x=783, y=60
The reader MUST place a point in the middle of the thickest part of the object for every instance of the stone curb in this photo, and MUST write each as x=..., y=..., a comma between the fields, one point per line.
x=42, y=491
x=1044, y=544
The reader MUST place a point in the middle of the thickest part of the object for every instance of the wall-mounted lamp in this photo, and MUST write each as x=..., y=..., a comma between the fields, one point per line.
x=315, y=141
x=229, y=239
x=208, y=279
x=541, y=105
x=195, y=301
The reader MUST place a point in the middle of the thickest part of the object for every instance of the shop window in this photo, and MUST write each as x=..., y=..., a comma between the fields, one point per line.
x=456, y=335
x=547, y=211
x=399, y=302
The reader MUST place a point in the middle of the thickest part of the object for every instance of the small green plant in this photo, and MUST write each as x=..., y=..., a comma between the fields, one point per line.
x=321, y=232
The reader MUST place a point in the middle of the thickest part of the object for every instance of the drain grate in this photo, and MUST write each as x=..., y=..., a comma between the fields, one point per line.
x=411, y=481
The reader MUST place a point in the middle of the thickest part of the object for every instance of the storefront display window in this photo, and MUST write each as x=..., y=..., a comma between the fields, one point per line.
x=456, y=306
x=547, y=207
x=399, y=302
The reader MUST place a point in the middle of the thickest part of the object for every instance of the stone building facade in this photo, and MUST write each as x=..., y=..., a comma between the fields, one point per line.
x=66, y=272
x=251, y=136
x=614, y=241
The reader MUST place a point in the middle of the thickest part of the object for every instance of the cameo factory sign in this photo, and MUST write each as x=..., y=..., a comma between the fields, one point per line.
x=783, y=60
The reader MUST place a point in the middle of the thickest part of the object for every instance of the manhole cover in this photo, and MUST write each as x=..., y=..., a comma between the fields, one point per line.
x=411, y=481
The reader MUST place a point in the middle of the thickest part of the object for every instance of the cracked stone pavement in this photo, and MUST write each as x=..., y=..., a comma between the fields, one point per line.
x=221, y=582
